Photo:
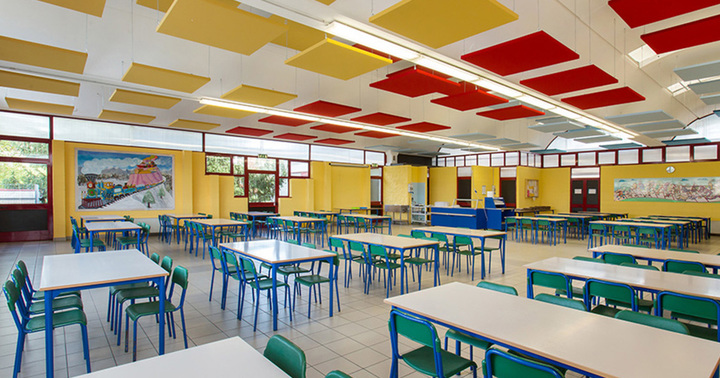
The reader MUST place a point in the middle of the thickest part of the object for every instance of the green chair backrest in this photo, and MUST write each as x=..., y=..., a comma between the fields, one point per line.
x=645, y=231
x=286, y=355
x=653, y=321
x=503, y=364
x=597, y=227
x=167, y=263
x=640, y=266
x=497, y=287
x=357, y=247
x=417, y=234
x=701, y=274
x=309, y=245
x=12, y=295
x=439, y=237
x=618, y=228
x=551, y=280
x=561, y=301
x=617, y=258
x=636, y=246
x=679, y=266
x=337, y=243
x=415, y=329
x=293, y=241
x=155, y=258
x=215, y=258
x=609, y=290
x=463, y=240
x=378, y=250
x=337, y=374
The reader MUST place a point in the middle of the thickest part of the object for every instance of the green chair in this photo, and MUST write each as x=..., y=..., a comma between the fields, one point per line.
x=86, y=243
x=39, y=295
x=596, y=235
x=311, y=280
x=561, y=301
x=445, y=248
x=550, y=280
x=622, y=234
x=216, y=261
x=640, y=266
x=200, y=234
x=337, y=246
x=647, y=236
x=381, y=260
x=502, y=364
x=416, y=261
x=653, y=321
x=588, y=259
x=497, y=287
x=256, y=282
x=337, y=374
x=678, y=266
x=135, y=311
x=697, y=309
x=112, y=291
x=617, y=258
x=429, y=359
x=286, y=355
x=615, y=294
x=463, y=246
x=511, y=226
x=578, y=292
x=34, y=306
x=682, y=250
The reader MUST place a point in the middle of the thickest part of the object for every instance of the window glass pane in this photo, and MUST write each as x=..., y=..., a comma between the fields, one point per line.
x=652, y=155
x=240, y=186
x=567, y=160
x=628, y=156
x=283, y=168
x=375, y=190
x=464, y=172
x=484, y=160
x=259, y=164
x=705, y=152
x=238, y=165
x=550, y=161
x=217, y=164
x=606, y=157
x=677, y=153
x=441, y=162
x=225, y=144
x=12, y=148
x=507, y=172
x=284, y=190
x=336, y=154
x=524, y=158
x=299, y=169
x=24, y=125
x=261, y=187
x=471, y=160
x=376, y=172
x=498, y=160
x=77, y=130
x=512, y=158
x=23, y=183
x=578, y=173
x=372, y=157
x=450, y=161
x=586, y=158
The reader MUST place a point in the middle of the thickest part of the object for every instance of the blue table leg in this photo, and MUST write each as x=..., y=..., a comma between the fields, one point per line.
x=436, y=279
x=161, y=315
x=482, y=258
x=402, y=271
x=332, y=276
x=502, y=253
x=49, y=353
x=530, y=293
x=390, y=226
x=565, y=230
x=274, y=296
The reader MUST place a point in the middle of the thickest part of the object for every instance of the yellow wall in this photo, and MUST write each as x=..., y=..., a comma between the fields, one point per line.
x=554, y=189
x=395, y=184
x=483, y=176
x=521, y=198
x=443, y=185
x=608, y=175
x=301, y=197
x=350, y=187
x=322, y=185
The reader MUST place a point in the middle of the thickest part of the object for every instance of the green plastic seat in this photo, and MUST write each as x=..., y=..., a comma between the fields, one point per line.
x=38, y=306
x=617, y=258
x=653, y=321
x=311, y=280
x=422, y=359
x=561, y=301
x=337, y=374
x=258, y=283
x=501, y=364
x=381, y=260
x=550, y=280
x=640, y=266
x=682, y=250
x=615, y=294
x=289, y=357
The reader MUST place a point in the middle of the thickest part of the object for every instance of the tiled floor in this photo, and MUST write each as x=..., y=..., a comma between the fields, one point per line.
x=355, y=340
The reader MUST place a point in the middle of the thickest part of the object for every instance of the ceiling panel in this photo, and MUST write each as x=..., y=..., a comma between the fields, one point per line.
x=293, y=136
x=375, y=134
x=41, y=107
x=143, y=99
x=250, y=131
x=679, y=142
x=500, y=142
x=557, y=126
x=711, y=100
x=160, y=5
x=570, y=81
x=327, y=109
x=298, y=36
x=706, y=87
x=438, y=23
x=511, y=112
x=473, y=136
x=279, y=120
x=469, y=100
x=610, y=97
x=651, y=116
x=222, y=112
x=477, y=149
x=683, y=36
x=380, y=119
x=670, y=133
x=334, y=141
x=598, y=139
x=37, y=83
x=125, y=117
x=423, y=127
x=338, y=60
x=219, y=23
x=699, y=71
x=415, y=82
x=91, y=7
x=193, y=125
x=620, y=146
x=549, y=151
x=642, y=12
x=520, y=146
x=656, y=126
x=163, y=78
x=335, y=128
x=581, y=133
x=35, y=54
x=258, y=96
x=528, y=52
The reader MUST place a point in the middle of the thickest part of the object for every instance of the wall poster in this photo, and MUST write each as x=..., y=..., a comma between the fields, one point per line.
x=680, y=189
x=108, y=180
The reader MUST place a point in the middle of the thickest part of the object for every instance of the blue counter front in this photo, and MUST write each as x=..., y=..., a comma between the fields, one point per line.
x=458, y=217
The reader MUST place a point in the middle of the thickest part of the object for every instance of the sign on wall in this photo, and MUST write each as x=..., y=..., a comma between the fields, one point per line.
x=687, y=189
x=108, y=180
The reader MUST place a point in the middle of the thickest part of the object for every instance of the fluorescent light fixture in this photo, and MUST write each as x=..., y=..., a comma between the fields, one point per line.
x=293, y=115
x=566, y=113
x=340, y=122
x=499, y=88
x=371, y=41
x=445, y=68
x=231, y=105
x=534, y=101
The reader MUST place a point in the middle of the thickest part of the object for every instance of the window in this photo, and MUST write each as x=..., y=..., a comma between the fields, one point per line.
x=283, y=181
x=239, y=172
x=261, y=164
x=23, y=183
x=299, y=169
x=218, y=164
x=376, y=175
x=262, y=188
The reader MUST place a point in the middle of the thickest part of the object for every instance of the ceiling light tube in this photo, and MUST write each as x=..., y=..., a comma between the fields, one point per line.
x=534, y=101
x=232, y=105
x=371, y=41
x=566, y=113
x=445, y=68
x=499, y=88
x=293, y=115
x=340, y=122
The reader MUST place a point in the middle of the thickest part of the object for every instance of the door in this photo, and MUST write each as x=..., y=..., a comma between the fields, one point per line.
x=464, y=191
x=507, y=191
x=25, y=189
x=585, y=195
x=262, y=184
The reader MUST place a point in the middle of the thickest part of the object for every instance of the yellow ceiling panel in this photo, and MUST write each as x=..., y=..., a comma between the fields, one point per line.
x=91, y=7
x=222, y=112
x=338, y=60
x=40, y=107
x=258, y=96
x=438, y=23
x=326, y=2
x=125, y=117
x=35, y=54
x=163, y=78
x=298, y=36
x=38, y=84
x=161, y=5
x=143, y=99
x=221, y=24
x=193, y=125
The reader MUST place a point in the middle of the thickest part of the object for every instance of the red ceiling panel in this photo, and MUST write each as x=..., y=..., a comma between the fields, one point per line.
x=380, y=119
x=423, y=127
x=248, y=131
x=416, y=82
x=469, y=100
x=570, y=81
x=335, y=128
x=278, y=120
x=376, y=134
x=334, y=141
x=328, y=109
x=293, y=136
x=528, y=52
x=642, y=12
x=511, y=112
x=604, y=98
x=682, y=36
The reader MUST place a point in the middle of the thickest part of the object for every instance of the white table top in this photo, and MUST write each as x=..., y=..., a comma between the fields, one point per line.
x=228, y=357
x=541, y=218
x=219, y=222
x=301, y=219
x=111, y=226
x=649, y=279
x=593, y=343
x=682, y=222
x=275, y=251
x=634, y=224
x=83, y=269
x=185, y=216
x=102, y=218
x=391, y=241
x=659, y=254
x=462, y=231
x=579, y=216
x=365, y=216
x=323, y=212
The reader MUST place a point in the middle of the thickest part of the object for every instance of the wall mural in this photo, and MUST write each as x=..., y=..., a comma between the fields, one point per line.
x=109, y=180
x=681, y=189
